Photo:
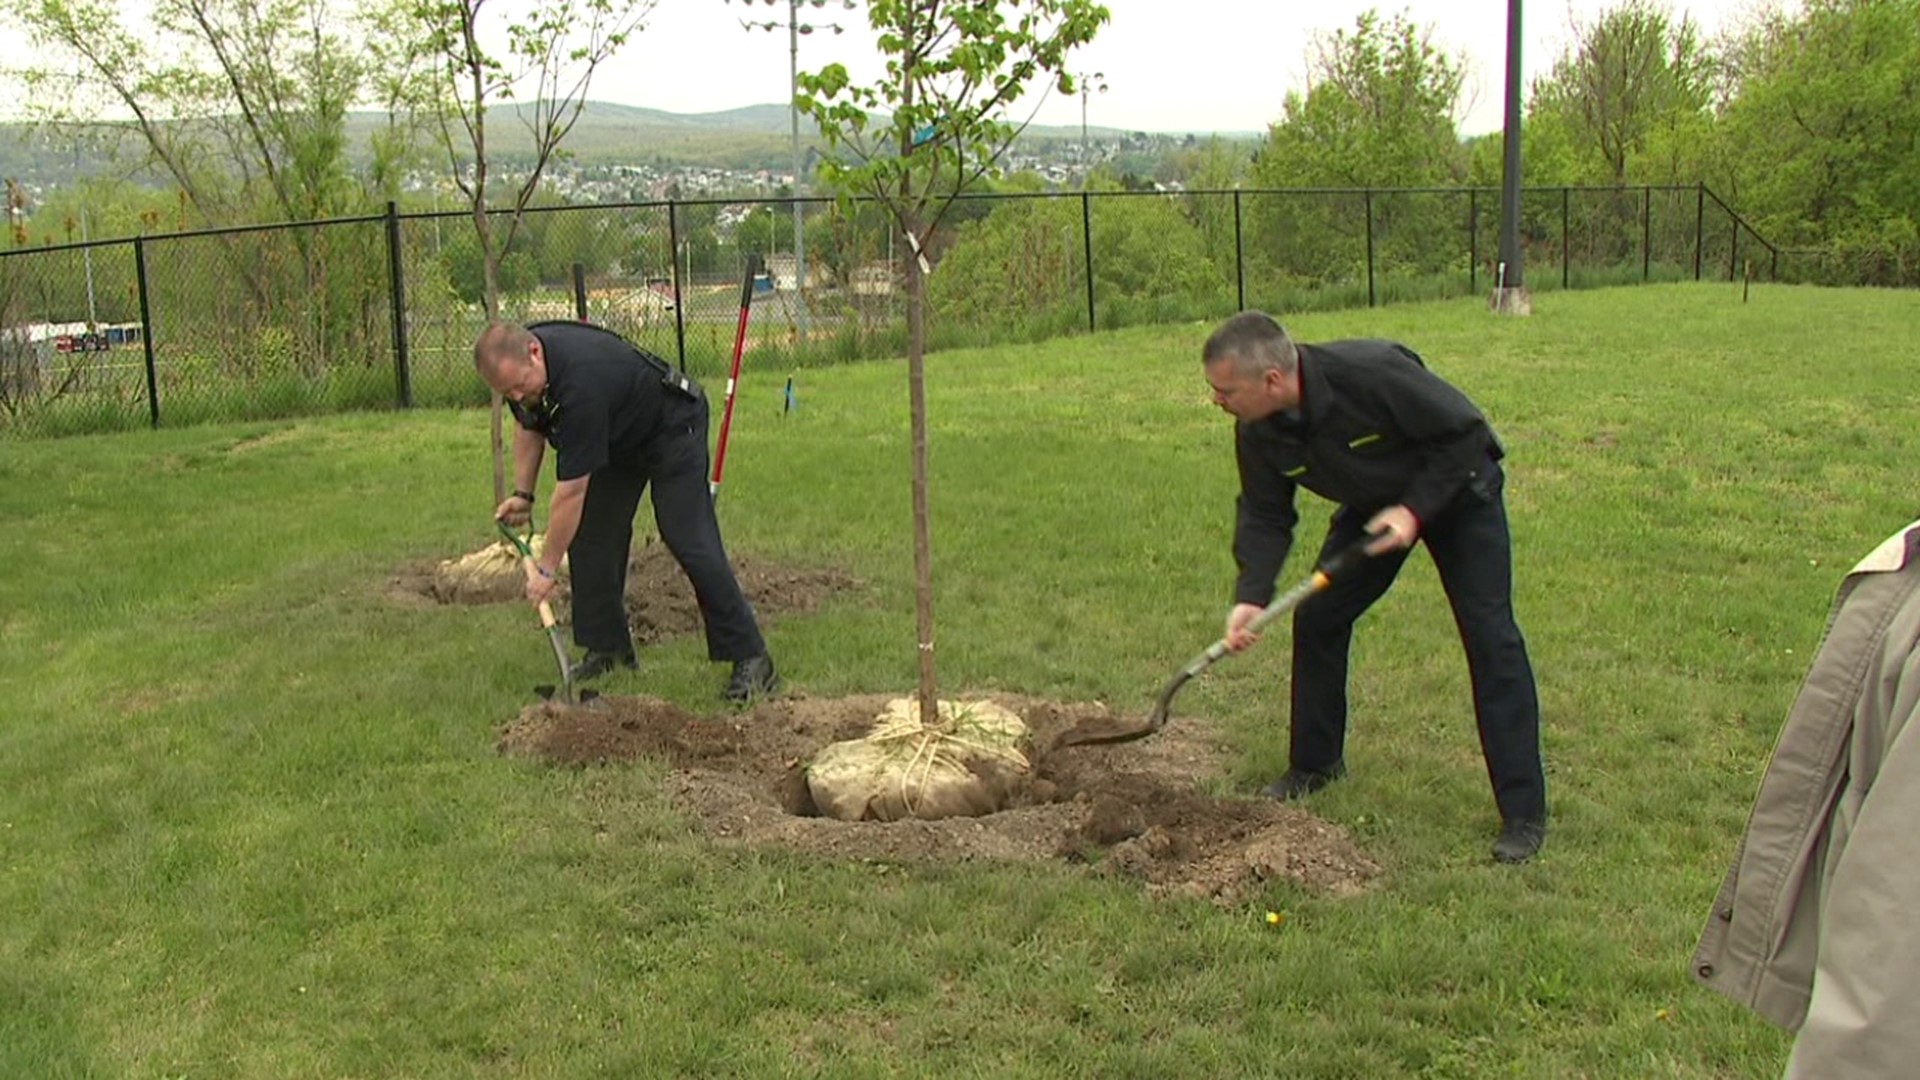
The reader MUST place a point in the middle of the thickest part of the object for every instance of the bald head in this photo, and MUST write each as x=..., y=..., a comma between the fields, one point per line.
x=511, y=361
x=501, y=345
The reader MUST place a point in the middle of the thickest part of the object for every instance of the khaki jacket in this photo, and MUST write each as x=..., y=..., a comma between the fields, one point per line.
x=1817, y=927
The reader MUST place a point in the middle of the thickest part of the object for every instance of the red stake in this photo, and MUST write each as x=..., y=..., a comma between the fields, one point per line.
x=733, y=378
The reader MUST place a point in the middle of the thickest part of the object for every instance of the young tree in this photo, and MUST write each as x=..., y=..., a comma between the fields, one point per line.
x=1822, y=131
x=241, y=105
x=1379, y=111
x=953, y=70
x=454, y=78
x=1021, y=268
x=1629, y=74
x=1215, y=166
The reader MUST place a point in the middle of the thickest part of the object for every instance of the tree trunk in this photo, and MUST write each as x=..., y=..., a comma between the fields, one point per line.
x=922, y=538
x=490, y=297
x=498, y=444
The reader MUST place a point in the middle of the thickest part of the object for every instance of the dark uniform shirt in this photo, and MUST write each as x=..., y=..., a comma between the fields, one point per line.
x=1374, y=428
x=604, y=401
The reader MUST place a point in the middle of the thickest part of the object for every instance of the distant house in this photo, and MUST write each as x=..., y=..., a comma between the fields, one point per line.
x=612, y=307
x=631, y=306
x=784, y=270
x=71, y=337
x=28, y=355
x=873, y=279
x=548, y=311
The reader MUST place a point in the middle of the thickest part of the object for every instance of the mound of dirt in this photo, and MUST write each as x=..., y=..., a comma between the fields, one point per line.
x=1133, y=810
x=660, y=602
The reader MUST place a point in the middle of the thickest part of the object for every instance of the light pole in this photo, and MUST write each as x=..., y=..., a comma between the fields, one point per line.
x=795, y=28
x=1088, y=84
x=93, y=315
x=16, y=211
x=1510, y=291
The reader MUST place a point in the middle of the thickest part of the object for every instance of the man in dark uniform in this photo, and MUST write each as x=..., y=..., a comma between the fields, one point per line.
x=1407, y=457
x=618, y=417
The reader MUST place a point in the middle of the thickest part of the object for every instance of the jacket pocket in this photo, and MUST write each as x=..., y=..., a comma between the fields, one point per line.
x=1487, y=482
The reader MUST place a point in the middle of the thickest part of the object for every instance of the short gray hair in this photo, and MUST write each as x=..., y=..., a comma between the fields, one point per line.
x=1254, y=343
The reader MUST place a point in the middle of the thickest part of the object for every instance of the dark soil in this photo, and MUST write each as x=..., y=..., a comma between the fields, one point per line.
x=660, y=601
x=1133, y=810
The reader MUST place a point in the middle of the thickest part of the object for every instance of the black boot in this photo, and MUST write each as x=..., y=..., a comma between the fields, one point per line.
x=1519, y=839
x=752, y=677
x=597, y=663
x=1297, y=783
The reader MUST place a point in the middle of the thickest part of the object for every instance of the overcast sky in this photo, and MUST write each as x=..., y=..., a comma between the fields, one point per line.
x=1168, y=65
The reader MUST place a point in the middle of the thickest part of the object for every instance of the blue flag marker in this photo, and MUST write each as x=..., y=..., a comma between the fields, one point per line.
x=790, y=401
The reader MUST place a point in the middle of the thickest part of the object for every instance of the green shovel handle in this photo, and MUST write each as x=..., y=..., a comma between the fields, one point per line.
x=514, y=538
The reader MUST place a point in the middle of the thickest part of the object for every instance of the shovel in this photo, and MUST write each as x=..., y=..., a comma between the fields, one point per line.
x=1106, y=730
x=546, y=619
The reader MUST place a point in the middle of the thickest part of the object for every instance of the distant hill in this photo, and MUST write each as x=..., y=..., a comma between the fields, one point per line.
x=752, y=137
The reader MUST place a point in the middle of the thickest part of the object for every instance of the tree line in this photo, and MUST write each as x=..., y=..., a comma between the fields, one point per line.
x=1806, y=121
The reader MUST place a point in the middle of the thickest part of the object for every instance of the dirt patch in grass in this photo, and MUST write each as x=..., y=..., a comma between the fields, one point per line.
x=660, y=602
x=1137, y=810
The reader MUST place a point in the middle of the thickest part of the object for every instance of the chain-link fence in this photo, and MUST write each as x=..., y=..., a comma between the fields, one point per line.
x=382, y=311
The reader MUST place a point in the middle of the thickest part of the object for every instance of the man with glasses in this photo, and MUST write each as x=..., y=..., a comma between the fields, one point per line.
x=1408, y=459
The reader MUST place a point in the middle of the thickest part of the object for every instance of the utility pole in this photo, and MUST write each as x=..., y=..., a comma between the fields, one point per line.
x=16, y=211
x=1087, y=85
x=799, y=185
x=93, y=315
x=795, y=28
x=1510, y=296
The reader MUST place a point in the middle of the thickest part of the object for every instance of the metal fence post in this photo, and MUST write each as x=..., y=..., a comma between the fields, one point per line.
x=397, y=280
x=673, y=259
x=1473, y=240
x=1566, y=234
x=1699, y=226
x=1086, y=240
x=1646, y=234
x=1733, y=252
x=580, y=291
x=146, y=328
x=1366, y=203
x=1239, y=262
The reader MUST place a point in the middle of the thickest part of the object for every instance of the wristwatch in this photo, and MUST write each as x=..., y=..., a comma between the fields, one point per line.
x=519, y=494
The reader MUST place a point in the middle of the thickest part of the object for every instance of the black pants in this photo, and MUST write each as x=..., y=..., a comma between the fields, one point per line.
x=675, y=462
x=1473, y=551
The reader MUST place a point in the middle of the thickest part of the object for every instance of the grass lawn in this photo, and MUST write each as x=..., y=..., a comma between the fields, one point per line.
x=253, y=824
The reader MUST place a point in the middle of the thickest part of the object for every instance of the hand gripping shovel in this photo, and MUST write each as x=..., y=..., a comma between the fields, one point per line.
x=546, y=618
x=1119, y=730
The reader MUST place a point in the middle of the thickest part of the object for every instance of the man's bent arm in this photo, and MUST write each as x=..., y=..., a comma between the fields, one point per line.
x=528, y=448
x=563, y=521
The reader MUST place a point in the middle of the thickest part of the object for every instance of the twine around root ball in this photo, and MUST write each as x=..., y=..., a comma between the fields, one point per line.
x=931, y=748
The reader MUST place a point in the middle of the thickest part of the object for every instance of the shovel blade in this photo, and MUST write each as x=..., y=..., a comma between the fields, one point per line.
x=1103, y=731
x=548, y=692
x=1109, y=730
x=566, y=667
